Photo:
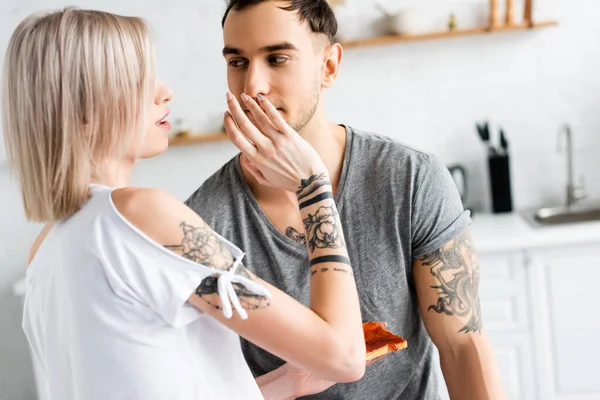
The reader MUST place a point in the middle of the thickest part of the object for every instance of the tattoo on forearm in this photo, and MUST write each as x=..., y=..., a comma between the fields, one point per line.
x=248, y=300
x=316, y=199
x=296, y=236
x=456, y=270
x=335, y=269
x=311, y=185
x=322, y=229
x=201, y=245
x=329, y=258
x=345, y=271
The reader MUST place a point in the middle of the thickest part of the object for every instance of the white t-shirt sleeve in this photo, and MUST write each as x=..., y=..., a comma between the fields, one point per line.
x=164, y=281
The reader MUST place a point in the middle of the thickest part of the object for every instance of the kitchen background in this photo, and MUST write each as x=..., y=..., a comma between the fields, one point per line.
x=429, y=94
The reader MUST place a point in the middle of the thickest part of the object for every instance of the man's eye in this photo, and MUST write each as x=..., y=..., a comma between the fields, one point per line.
x=236, y=63
x=277, y=60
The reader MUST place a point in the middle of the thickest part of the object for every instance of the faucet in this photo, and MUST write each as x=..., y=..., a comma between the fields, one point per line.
x=573, y=194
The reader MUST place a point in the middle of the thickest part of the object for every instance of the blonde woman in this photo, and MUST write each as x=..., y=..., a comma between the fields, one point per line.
x=130, y=295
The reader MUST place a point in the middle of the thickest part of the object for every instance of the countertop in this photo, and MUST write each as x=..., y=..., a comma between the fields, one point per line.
x=512, y=231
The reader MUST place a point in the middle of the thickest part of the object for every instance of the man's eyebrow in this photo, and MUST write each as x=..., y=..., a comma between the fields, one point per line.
x=277, y=46
x=229, y=50
x=232, y=51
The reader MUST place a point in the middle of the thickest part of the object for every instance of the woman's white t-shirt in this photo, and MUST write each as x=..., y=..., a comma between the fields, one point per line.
x=106, y=316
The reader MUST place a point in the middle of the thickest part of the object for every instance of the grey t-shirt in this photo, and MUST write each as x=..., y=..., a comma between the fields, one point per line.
x=396, y=204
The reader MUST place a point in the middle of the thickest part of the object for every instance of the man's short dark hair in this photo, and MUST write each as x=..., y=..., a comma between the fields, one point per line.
x=317, y=13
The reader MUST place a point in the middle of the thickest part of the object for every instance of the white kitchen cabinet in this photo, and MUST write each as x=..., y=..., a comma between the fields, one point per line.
x=540, y=310
x=505, y=311
x=565, y=285
x=515, y=357
x=503, y=291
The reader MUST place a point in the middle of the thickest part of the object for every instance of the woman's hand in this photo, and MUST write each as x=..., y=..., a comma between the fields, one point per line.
x=289, y=382
x=304, y=382
x=274, y=153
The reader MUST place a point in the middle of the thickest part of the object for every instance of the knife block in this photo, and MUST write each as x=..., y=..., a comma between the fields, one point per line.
x=499, y=170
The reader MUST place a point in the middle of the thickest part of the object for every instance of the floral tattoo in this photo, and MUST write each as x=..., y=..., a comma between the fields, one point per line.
x=201, y=245
x=322, y=229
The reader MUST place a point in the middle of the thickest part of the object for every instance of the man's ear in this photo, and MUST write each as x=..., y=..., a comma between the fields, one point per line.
x=331, y=64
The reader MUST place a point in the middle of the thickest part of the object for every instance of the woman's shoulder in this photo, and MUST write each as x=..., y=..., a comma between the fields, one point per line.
x=155, y=212
x=133, y=201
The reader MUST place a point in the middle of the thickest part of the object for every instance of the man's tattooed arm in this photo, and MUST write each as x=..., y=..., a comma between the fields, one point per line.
x=323, y=229
x=447, y=285
x=311, y=185
x=455, y=271
x=201, y=245
x=296, y=236
x=323, y=234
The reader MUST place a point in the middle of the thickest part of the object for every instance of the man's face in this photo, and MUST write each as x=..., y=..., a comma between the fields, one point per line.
x=269, y=52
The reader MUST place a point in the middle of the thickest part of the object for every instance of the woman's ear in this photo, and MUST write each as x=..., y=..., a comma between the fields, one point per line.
x=331, y=64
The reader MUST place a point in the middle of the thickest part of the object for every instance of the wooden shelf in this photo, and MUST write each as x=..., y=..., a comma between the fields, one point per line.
x=389, y=39
x=187, y=139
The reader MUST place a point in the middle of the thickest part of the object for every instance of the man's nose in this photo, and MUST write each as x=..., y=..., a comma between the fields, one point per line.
x=256, y=82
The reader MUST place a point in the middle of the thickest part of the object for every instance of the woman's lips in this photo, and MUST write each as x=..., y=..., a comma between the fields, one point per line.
x=163, y=123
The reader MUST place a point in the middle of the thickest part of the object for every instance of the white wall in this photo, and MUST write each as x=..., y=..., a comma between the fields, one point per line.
x=428, y=94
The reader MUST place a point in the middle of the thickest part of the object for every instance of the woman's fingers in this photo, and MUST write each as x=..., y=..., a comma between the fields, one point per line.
x=260, y=118
x=237, y=138
x=274, y=116
x=244, y=124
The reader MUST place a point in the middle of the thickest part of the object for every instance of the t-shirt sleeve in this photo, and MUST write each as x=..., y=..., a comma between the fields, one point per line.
x=438, y=213
x=161, y=279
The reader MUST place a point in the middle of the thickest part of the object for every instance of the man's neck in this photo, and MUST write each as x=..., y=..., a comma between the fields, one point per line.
x=329, y=140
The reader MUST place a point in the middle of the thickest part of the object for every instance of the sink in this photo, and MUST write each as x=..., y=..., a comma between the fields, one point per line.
x=565, y=215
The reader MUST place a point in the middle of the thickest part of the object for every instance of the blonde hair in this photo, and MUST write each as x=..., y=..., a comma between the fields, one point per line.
x=76, y=90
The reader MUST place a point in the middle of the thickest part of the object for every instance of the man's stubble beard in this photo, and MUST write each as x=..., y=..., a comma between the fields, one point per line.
x=307, y=110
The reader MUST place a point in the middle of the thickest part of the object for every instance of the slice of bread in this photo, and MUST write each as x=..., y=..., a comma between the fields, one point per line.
x=380, y=341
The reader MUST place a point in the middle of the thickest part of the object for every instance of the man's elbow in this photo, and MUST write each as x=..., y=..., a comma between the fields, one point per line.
x=455, y=348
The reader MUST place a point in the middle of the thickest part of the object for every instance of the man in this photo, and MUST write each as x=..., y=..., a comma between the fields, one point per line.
x=406, y=230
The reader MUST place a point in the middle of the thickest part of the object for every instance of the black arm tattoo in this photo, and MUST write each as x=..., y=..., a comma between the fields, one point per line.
x=248, y=300
x=457, y=271
x=201, y=245
x=296, y=236
x=314, y=200
x=311, y=185
x=329, y=258
x=323, y=270
x=322, y=229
